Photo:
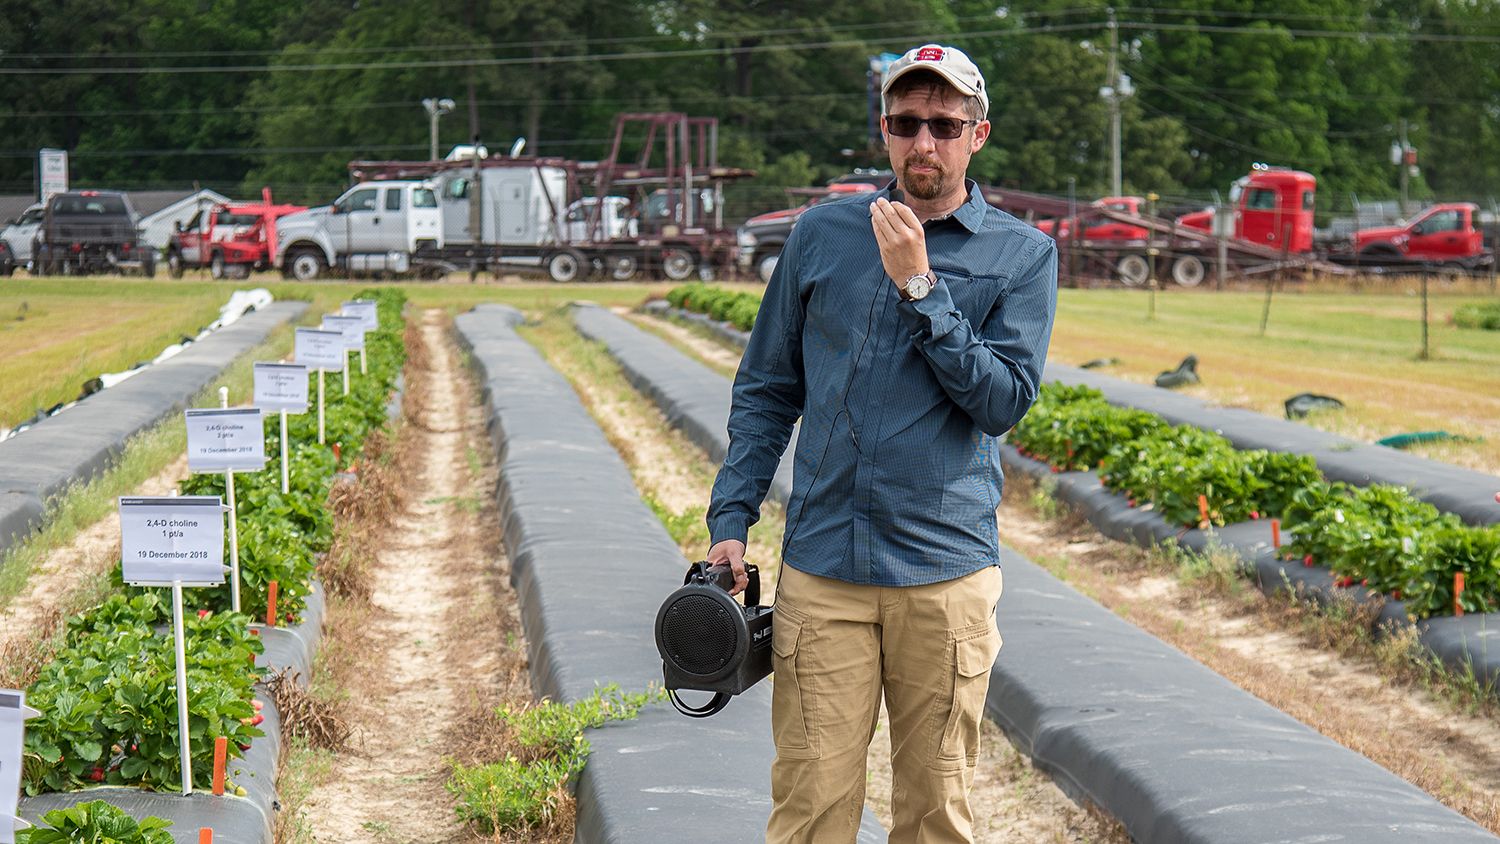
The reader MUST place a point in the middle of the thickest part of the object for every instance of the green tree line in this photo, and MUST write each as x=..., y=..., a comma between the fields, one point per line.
x=236, y=94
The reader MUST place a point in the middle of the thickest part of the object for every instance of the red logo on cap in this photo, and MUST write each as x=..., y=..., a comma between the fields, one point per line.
x=929, y=54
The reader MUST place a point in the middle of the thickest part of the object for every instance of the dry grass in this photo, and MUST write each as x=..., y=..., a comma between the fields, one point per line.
x=47, y=352
x=305, y=716
x=25, y=653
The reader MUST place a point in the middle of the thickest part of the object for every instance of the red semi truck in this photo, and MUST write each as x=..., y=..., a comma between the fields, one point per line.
x=1269, y=226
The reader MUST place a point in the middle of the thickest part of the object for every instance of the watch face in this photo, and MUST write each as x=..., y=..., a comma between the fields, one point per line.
x=918, y=287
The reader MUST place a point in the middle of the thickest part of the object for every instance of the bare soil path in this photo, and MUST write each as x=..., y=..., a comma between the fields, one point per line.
x=442, y=619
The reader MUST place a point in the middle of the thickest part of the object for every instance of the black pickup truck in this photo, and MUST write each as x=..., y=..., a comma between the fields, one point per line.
x=90, y=231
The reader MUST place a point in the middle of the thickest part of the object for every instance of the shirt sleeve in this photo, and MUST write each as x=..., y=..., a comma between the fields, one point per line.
x=993, y=370
x=769, y=389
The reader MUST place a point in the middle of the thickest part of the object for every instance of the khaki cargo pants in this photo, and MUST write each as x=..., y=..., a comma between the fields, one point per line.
x=837, y=647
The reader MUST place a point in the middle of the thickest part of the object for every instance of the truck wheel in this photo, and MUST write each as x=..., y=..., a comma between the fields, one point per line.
x=565, y=266
x=1188, y=271
x=216, y=266
x=623, y=267
x=678, y=263
x=766, y=264
x=148, y=264
x=175, y=265
x=306, y=265
x=1133, y=270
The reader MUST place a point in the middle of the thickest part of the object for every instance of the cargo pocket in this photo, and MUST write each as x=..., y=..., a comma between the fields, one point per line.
x=974, y=651
x=790, y=694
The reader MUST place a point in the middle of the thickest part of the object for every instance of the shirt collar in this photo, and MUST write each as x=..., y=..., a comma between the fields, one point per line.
x=970, y=215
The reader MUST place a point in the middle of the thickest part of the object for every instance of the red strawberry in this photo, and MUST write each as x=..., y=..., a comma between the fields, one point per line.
x=1307, y=561
x=1365, y=582
x=244, y=747
x=256, y=721
x=97, y=775
x=1396, y=593
x=254, y=632
x=257, y=704
x=1254, y=514
x=1055, y=470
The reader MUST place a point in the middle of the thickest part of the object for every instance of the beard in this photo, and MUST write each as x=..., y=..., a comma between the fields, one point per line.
x=924, y=186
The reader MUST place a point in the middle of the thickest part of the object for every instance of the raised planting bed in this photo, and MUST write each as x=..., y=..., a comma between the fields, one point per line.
x=75, y=445
x=591, y=564
x=108, y=698
x=1466, y=493
x=1138, y=479
x=688, y=393
x=1174, y=751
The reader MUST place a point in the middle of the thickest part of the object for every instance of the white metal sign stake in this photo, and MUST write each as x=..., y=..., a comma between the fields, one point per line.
x=234, y=554
x=174, y=541
x=282, y=387
x=180, y=639
x=321, y=437
x=13, y=715
x=346, y=372
x=316, y=347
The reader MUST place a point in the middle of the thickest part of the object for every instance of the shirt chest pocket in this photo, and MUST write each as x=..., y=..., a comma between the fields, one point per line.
x=975, y=294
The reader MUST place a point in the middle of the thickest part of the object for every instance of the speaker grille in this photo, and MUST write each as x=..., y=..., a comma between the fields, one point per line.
x=699, y=634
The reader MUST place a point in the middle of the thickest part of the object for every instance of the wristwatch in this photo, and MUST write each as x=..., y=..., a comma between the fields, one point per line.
x=917, y=287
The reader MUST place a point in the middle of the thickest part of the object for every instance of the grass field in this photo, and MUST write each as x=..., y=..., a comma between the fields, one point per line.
x=56, y=334
x=1361, y=347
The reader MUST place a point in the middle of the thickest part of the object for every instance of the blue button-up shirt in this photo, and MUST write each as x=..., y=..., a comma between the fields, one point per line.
x=897, y=471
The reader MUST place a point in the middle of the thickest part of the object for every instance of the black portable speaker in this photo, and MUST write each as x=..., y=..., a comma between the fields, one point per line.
x=708, y=642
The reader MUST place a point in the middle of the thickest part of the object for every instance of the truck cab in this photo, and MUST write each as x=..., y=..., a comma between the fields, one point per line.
x=1273, y=207
x=90, y=231
x=231, y=238
x=373, y=227
x=22, y=231
x=1442, y=234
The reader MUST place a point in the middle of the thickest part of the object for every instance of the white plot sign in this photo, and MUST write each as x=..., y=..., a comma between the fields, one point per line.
x=352, y=327
x=365, y=309
x=225, y=439
x=281, y=386
x=13, y=715
x=172, y=538
x=320, y=349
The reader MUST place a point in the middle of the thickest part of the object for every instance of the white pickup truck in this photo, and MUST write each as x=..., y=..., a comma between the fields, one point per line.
x=375, y=227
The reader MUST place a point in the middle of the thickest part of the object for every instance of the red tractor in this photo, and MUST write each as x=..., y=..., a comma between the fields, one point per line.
x=232, y=239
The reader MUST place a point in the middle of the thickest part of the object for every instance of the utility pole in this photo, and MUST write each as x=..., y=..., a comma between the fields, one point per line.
x=435, y=108
x=1405, y=169
x=1115, y=107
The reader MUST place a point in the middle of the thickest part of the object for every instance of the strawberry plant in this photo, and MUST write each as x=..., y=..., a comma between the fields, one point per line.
x=96, y=822
x=109, y=705
x=736, y=307
x=1073, y=428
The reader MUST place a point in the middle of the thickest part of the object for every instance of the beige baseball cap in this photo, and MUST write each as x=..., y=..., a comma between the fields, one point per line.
x=947, y=62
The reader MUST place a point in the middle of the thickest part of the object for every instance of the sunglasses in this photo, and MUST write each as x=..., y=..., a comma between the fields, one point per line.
x=943, y=128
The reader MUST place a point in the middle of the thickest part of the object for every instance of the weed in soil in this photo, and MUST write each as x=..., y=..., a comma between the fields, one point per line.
x=316, y=722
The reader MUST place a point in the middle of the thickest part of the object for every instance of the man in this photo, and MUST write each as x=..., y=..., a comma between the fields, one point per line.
x=908, y=335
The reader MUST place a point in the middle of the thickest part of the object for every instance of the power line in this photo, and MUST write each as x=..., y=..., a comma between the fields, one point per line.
x=514, y=61
x=1358, y=34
